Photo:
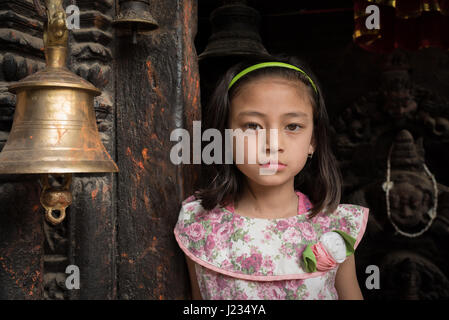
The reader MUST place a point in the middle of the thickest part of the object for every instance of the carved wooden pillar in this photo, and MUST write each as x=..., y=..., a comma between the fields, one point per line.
x=157, y=91
x=93, y=218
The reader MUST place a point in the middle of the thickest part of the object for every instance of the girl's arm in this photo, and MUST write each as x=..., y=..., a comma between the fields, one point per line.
x=196, y=294
x=346, y=282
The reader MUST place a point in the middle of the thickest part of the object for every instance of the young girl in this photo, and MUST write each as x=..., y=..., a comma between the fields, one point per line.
x=257, y=236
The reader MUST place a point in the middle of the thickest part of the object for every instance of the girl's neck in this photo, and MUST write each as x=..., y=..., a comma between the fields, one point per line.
x=268, y=202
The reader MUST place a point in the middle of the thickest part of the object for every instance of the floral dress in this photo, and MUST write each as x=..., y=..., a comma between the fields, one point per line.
x=241, y=258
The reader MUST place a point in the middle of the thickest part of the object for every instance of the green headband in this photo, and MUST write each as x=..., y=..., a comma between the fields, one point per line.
x=269, y=64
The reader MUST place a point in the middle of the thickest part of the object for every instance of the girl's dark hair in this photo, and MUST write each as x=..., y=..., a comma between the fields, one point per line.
x=320, y=179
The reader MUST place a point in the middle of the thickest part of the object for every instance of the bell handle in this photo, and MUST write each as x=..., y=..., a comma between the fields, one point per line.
x=55, y=30
x=52, y=219
x=56, y=34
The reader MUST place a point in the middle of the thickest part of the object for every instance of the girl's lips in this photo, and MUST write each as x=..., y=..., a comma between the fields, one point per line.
x=273, y=165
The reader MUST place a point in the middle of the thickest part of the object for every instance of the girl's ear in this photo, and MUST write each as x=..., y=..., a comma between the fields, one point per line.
x=312, y=145
x=311, y=149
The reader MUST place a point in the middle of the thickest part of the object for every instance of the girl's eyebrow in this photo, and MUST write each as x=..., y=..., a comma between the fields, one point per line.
x=295, y=114
x=251, y=113
x=262, y=115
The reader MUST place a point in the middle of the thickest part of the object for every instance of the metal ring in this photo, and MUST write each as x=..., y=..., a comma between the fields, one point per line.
x=50, y=218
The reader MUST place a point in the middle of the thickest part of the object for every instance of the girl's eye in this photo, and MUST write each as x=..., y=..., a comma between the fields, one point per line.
x=252, y=126
x=293, y=127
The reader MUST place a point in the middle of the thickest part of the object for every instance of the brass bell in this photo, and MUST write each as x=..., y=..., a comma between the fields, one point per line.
x=54, y=128
x=235, y=32
x=135, y=16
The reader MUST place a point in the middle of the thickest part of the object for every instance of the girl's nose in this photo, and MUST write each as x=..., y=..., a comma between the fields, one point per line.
x=274, y=141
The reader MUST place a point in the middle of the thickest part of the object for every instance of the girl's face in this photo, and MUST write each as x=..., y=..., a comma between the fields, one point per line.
x=273, y=103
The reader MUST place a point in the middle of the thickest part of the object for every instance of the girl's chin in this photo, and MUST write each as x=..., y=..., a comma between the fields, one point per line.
x=270, y=180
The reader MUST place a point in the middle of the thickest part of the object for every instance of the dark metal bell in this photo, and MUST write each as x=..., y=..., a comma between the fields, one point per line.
x=235, y=32
x=135, y=16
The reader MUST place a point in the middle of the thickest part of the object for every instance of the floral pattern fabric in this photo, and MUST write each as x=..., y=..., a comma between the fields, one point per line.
x=239, y=257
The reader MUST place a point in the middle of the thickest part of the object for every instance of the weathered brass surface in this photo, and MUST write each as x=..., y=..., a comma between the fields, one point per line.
x=54, y=128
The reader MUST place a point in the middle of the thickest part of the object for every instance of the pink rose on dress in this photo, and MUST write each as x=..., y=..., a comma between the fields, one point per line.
x=253, y=261
x=356, y=212
x=292, y=236
x=215, y=216
x=294, y=284
x=238, y=221
x=210, y=243
x=190, y=207
x=282, y=225
x=307, y=231
x=221, y=283
x=323, y=221
x=195, y=231
x=268, y=265
x=222, y=231
x=266, y=236
x=344, y=225
x=271, y=291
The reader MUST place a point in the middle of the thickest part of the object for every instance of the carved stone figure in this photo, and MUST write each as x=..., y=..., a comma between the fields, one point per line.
x=366, y=129
x=404, y=221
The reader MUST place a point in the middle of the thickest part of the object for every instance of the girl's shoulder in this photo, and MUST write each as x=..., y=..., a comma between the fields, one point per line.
x=191, y=207
x=351, y=208
x=189, y=199
x=349, y=218
x=191, y=203
x=350, y=211
x=192, y=211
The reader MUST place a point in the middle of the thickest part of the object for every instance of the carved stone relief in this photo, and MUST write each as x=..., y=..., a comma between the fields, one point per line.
x=409, y=246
